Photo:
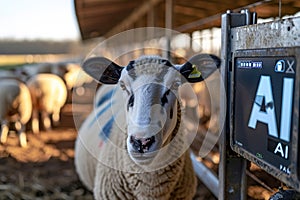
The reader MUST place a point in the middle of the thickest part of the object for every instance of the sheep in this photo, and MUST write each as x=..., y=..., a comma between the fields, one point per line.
x=75, y=77
x=15, y=107
x=49, y=94
x=70, y=72
x=133, y=145
x=30, y=70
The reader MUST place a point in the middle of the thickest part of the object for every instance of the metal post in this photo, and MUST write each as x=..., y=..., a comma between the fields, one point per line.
x=232, y=167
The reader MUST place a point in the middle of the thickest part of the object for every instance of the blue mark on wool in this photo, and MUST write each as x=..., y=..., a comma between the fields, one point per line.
x=105, y=132
x=105, y=97
x=103, y=110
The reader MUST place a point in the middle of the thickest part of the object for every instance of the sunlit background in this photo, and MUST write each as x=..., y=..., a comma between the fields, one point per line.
x=38, y=20
x=43, y=36
x=34, y=31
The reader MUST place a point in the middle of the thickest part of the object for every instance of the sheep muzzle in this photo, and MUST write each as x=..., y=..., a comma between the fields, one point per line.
x=142, y=145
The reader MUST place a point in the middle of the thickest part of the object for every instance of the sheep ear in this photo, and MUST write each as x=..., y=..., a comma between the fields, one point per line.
x=102, y=70
x=199, y=67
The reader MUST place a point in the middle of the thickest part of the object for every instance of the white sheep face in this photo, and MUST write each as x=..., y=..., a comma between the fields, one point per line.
x=150, y=88
x=150, y=85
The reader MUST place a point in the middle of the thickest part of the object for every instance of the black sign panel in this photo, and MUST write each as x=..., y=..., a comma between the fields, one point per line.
x=263, y=111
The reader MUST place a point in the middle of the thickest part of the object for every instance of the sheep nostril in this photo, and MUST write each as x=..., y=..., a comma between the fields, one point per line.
x=142, y=145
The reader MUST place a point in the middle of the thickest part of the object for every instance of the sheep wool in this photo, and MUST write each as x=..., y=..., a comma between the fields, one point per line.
x=15, y=106
x=49, y=94
x=133, y=144
x=104, y=166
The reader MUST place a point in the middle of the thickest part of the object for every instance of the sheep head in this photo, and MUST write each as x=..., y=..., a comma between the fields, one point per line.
x=150, y=85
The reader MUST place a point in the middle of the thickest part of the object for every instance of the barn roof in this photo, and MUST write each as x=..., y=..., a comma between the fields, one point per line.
x=104, y=18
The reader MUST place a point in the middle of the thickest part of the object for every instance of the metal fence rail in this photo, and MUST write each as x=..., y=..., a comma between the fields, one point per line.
x=279, y=42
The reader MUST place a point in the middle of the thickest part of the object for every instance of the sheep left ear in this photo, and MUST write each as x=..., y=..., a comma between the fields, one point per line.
x=102, y=70
x=199, y=67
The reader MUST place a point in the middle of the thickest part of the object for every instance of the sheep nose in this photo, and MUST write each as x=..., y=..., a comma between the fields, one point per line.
x=145, y=122
x=142, y=145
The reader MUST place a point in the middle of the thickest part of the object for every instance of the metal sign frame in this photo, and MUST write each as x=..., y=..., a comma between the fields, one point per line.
x=240, y=32
x=287, y=171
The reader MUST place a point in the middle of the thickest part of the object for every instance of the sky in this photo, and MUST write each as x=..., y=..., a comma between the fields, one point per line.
x=38, y=20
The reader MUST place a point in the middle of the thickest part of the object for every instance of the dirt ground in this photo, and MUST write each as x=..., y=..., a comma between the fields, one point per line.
x=45, y=169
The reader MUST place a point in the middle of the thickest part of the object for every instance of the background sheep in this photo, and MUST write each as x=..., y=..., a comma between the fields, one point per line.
x=75, y=78
x=49, y=94
x=29, y=70
x=15, y=107
x=70, y=72
x=132, y=146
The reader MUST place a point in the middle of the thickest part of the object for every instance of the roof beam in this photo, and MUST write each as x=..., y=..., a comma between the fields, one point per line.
x=134, y=17
x=91, y=12
x=189, y=11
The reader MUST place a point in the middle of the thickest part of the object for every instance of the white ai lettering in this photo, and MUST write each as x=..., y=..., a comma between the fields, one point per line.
x=264, y=96
x=263, y=109
x=286, y=109
x=284, y=152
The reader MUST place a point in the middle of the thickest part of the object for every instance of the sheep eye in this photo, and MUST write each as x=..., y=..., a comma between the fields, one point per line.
x=175, y=85
x=164, y=98
x=122, y=85
x=130, y=102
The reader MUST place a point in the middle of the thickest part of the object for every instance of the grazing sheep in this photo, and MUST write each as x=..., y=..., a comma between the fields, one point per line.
x=75, y=77
x=15, y=107
x=8, y=74
x=70, y=72
x=49, y=94
x=30, y=70
x=133, y=145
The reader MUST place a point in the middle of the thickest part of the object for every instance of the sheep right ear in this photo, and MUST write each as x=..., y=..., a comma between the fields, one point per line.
x=102, y=70
x=199, y=67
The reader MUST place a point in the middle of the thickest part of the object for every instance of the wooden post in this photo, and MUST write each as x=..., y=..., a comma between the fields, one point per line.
x=169, y=26
x=151, y=22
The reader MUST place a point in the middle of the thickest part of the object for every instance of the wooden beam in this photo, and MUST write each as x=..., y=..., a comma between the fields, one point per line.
x=135, y=16
x=198, y=23
x=104, y=1
x=195, y=12
x=96, y=22
x=99, y=10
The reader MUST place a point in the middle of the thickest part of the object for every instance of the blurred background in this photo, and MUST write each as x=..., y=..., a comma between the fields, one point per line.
x=53, y=37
